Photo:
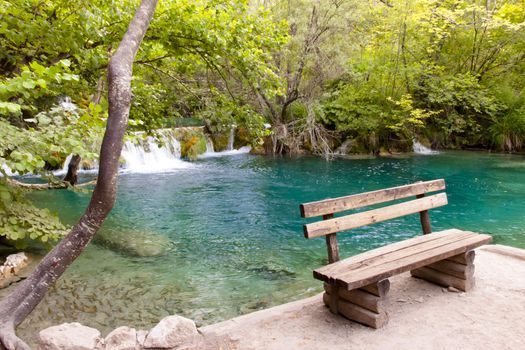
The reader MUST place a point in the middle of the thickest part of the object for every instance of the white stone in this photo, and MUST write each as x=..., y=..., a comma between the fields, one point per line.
x=170, y=332
x=141, y=336
x=17, y=261
x=69, y=336
x=6, y=271
x=122, y=338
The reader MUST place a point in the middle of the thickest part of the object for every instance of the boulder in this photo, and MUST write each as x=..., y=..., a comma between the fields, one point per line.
x=134, y=242
x=122, y=338
x=12, y=267
x=141, y=337
x=69, y=336
x=171, y=332
x=17, y=261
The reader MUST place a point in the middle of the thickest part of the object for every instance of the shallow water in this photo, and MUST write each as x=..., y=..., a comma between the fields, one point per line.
x=236, y=242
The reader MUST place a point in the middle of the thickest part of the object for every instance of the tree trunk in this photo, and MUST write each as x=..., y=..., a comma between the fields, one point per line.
x=72, y=170
x=26, y=296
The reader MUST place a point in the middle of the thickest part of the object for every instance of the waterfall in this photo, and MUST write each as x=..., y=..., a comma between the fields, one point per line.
x=66, y=104
x=231, y=138
x=210, y=151
x=209, y=145
x=148, y=157
x=65, y=166
x=420, y=149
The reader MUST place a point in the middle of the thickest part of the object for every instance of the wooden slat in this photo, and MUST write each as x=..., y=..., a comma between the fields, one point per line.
x=323, y=228
x=387, y=258
x=365, y=276
x=408, y=255
x=336, y=205
x=367, y=257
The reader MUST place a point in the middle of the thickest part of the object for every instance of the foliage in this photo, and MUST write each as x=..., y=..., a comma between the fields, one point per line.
x=444, y=62
x=28, y=145
x=21, y=221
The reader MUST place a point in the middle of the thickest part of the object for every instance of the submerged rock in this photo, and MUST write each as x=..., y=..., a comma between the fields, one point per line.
x=69, y=336
x=134, y=243
x=272, y=272
x=171, y=332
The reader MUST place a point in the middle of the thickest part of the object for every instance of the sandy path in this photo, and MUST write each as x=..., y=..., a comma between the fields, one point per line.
x=422, y=315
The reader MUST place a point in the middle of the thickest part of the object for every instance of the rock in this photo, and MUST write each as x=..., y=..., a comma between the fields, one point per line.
x=141, y=337
x=134, y=243
x=69, y=336
x=453, y=290
x=170, y=332
x=17, y=261
x=12, y=267
x=122, y=338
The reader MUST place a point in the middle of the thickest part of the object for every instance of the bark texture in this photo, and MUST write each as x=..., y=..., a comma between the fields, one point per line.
x=72, y=170
x=26, y=296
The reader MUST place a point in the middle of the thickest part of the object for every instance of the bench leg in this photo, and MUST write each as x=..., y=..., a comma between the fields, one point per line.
x=456, y=271
x=363, y=305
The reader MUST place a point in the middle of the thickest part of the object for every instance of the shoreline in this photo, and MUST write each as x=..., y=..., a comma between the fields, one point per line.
x=416, y=309
x=422, y=315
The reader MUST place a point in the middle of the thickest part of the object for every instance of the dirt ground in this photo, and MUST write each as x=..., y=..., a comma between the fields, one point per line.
x=421, y=315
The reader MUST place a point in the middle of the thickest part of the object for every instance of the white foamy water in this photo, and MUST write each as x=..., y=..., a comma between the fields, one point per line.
x=209, y=145
x=149, y=157
x=420, y=149
x=231, y=138
x=242, y=150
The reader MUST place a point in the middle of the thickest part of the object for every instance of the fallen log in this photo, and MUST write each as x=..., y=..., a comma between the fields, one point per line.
x=49, y=186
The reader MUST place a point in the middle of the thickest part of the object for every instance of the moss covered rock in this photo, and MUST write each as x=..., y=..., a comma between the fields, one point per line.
x=192, y=142
x=220, y=141
x=242, y=138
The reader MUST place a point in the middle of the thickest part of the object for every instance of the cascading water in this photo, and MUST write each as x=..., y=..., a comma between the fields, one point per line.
x=420, y=149
x=148, y=157
x=209, y=145
x=231, y=138
x=66, y=104
x=230, y=151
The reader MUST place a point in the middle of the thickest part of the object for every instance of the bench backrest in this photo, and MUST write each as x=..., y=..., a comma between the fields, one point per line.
x=328, y=207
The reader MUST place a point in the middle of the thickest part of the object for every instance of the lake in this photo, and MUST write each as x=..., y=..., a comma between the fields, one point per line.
x=234, y=232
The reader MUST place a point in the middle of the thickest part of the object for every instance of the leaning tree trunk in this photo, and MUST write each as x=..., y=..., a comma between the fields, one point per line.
x=26, y=296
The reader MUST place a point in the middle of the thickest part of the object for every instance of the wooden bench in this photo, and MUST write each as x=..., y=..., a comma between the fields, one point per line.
x=357, y=287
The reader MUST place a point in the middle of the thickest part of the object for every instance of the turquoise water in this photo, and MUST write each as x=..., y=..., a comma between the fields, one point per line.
x=235, y=233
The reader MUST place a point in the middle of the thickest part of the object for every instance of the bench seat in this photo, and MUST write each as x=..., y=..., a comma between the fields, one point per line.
x=378, y=264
